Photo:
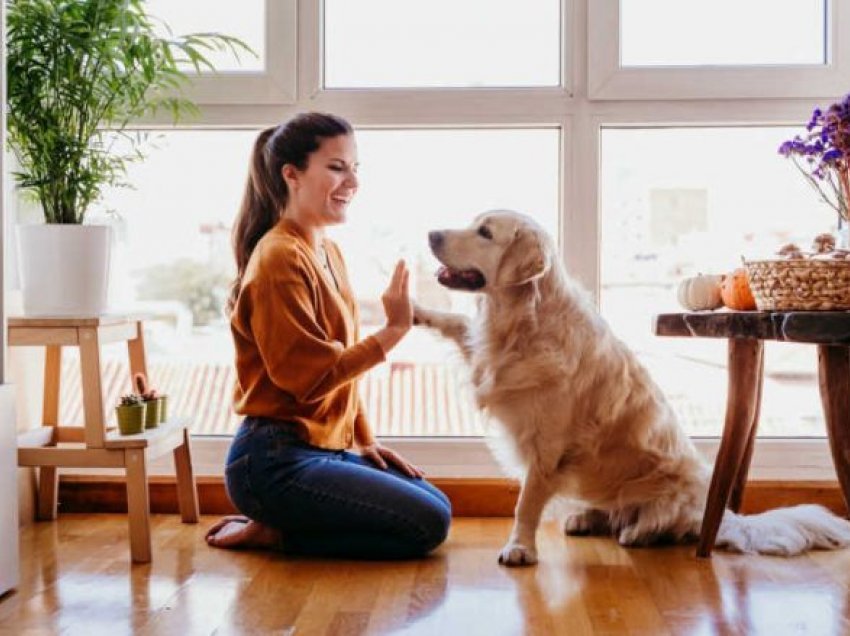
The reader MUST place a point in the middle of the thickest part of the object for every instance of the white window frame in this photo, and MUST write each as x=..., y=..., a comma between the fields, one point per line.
x=580, y=116
x=608, y=80
x=276, y=84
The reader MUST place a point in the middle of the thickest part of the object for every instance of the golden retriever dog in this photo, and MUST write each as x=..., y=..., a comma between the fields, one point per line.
x=584, y=419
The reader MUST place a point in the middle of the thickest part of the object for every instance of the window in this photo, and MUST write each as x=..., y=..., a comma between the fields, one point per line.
x=663, y=49
x=267, y=26
x=663, y=218
x=194, y=16
x=412, y=181
x=173, y=261
x=460, y=108
x=675, y=33
x=441, y=43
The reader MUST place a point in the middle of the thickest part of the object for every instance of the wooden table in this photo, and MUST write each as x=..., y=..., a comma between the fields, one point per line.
x=92, y=444
x=746, y=332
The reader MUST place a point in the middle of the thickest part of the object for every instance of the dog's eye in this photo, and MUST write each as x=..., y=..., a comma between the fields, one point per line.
x=485, y=232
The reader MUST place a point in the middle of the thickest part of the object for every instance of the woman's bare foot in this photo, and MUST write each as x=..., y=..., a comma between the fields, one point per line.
x=236, y=531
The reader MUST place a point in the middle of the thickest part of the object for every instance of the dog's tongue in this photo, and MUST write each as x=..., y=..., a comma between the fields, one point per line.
x=460, y=279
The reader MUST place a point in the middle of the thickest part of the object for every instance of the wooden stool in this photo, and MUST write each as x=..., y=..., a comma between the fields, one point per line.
x=746, y=332
x=93, y=445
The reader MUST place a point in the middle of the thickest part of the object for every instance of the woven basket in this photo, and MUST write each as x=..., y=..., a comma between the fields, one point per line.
x=800, y=284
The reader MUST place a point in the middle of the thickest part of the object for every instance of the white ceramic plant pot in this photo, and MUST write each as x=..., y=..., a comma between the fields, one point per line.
x=64, y=269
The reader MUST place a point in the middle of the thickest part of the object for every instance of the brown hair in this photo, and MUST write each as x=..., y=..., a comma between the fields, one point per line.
x=266, y=194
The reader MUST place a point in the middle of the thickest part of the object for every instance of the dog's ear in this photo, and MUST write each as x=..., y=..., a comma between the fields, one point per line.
x=524, y=260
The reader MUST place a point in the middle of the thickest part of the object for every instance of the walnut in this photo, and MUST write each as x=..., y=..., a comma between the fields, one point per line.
x=791, y=251
x=823, y=243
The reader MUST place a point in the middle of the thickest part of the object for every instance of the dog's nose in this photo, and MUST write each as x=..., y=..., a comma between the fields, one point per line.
x=435, y=239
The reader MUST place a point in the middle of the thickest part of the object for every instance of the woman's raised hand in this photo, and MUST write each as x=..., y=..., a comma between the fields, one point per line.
x=397, y=307
x=396, y=299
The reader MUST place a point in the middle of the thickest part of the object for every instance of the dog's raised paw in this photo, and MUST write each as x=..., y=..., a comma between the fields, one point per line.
x=514, y=554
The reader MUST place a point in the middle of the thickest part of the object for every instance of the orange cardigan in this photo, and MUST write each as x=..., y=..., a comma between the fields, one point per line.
x=296, y=337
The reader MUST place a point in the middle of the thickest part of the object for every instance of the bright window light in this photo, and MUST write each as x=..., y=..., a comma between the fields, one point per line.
x=680, y=201
x=247, y=24
x=722, y=32
x=442, y=43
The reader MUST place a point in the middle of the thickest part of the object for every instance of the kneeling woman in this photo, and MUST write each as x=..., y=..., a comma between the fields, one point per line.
x=298, y=358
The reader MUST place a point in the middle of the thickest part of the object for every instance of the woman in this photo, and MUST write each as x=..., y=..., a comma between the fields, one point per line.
x=298, y=358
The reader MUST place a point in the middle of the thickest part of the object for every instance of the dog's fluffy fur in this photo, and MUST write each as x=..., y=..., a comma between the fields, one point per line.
x=584, y=418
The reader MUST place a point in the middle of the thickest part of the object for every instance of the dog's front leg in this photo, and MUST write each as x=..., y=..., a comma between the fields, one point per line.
x=455, y=327
x=521, y=548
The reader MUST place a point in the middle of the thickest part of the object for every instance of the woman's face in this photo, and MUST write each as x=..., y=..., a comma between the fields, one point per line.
x=320, y=194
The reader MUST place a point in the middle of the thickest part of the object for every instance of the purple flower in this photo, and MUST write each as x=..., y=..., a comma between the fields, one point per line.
x=832, y=155
x=814, y=120
x=823, y=154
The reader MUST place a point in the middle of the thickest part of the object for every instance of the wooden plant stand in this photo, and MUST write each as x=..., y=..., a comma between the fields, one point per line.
x=92, y=445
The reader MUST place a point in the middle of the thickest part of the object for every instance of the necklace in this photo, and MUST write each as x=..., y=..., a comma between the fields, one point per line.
x=325, y=262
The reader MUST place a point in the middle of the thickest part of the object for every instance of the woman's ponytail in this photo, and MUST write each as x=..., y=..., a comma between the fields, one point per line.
x=258, y=212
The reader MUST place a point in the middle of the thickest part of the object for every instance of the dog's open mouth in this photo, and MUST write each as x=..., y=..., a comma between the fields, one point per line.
x=470, y=279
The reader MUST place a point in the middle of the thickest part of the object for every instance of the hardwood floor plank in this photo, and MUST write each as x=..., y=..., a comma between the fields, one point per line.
x=77, y=578
x=394, y=599
x=278, y=594
x=211, y=583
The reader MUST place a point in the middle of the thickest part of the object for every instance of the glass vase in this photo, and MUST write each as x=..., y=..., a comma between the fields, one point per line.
x=842, y=234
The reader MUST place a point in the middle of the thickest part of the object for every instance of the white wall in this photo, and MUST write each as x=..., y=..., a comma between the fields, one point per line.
x=9, y=566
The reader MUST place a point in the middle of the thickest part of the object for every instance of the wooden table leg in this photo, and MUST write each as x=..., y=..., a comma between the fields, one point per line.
x=737, y=494
x=834, y=380
x=745, y=366
x=48, y=480
x=187, y=492
x=138, y=505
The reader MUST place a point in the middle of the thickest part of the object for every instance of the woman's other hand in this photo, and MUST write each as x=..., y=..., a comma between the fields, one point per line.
x=384, y=457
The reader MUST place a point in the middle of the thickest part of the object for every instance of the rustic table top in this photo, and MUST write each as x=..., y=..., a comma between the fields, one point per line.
x=816, y=327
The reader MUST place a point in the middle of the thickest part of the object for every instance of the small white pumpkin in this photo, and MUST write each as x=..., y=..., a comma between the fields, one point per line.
x=700, y=292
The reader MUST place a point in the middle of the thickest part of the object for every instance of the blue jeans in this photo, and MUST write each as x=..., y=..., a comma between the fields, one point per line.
x=331, y=503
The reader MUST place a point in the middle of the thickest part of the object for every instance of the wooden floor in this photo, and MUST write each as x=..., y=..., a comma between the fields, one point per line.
x=76, y=579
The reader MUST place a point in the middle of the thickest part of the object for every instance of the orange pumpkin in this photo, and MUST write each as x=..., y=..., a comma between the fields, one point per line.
x=735, y=291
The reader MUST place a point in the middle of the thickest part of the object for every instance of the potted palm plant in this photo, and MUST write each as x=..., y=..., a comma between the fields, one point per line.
x=79, y=72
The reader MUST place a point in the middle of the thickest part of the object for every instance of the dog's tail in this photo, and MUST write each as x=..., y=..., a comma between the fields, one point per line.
x=784, y=531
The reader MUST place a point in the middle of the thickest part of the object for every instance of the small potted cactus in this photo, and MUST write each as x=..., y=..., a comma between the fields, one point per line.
x=130, y=413
x=156, y=403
